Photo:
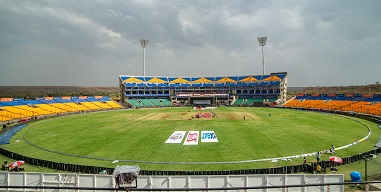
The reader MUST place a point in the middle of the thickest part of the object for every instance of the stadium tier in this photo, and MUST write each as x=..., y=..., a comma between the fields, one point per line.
x=23, y=110
x=156, y=102
x=144, y=91
x=356, y=103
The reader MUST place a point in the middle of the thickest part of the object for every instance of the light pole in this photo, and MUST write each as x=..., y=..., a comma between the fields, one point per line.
x=144, y=44
x=262, y=42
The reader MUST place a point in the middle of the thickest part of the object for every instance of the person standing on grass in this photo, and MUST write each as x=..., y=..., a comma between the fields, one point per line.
x=318, y=155
x=318, y=169
x=5, y=166
x=333, y=149
x=304, y=163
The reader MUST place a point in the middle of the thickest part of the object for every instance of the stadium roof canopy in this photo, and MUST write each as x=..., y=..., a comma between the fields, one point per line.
x=249, y=79
x=156, y=80
x=133, y=80
x=180, y=80
x=272, y=78
x=225, y=80
x=203, y=80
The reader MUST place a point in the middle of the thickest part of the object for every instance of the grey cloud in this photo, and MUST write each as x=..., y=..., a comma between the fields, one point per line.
x=92, y=42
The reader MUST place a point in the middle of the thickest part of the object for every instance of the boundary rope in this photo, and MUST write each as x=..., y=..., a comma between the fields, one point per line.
x=200, y=163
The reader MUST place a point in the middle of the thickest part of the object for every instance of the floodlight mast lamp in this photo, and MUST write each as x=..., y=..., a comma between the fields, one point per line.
x=144, y=44
x=262, y=42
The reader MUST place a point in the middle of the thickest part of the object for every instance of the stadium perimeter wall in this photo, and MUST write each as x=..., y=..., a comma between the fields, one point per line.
x=170, y=182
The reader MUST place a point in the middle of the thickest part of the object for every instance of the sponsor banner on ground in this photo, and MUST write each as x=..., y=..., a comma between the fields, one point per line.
x=192, y=138
x=176, y=137
x=208, y=136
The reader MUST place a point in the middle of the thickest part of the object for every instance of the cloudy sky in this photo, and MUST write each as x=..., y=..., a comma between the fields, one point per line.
x=91, y=43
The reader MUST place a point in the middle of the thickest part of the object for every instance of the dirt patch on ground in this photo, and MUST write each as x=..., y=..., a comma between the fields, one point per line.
x=153, y=116
x=143, y=117
x=187, y=116
x=157, y=116
x=167, y=116
x=238, y=116
x=247, y=115
x=229, y=116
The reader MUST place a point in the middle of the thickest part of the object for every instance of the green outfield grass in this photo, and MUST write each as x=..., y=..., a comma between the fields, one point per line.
x=141, y=135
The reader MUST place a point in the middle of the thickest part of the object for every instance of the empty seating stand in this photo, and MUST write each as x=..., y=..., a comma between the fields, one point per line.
x=247, y=101
x=135, y=102
x=238, y=102
x=149, y=102
x=156, y=102
x=363, y=105
x=146, y=103
x=87, y=104
x=100, y=104
x=166, y=102
x=108, y=101
x=27, y=109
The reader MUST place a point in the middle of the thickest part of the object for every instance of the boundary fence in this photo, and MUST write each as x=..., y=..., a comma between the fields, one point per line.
x=308, y=168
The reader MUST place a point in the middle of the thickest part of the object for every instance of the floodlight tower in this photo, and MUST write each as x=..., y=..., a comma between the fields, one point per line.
x=262, y=42
x=144, y=44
